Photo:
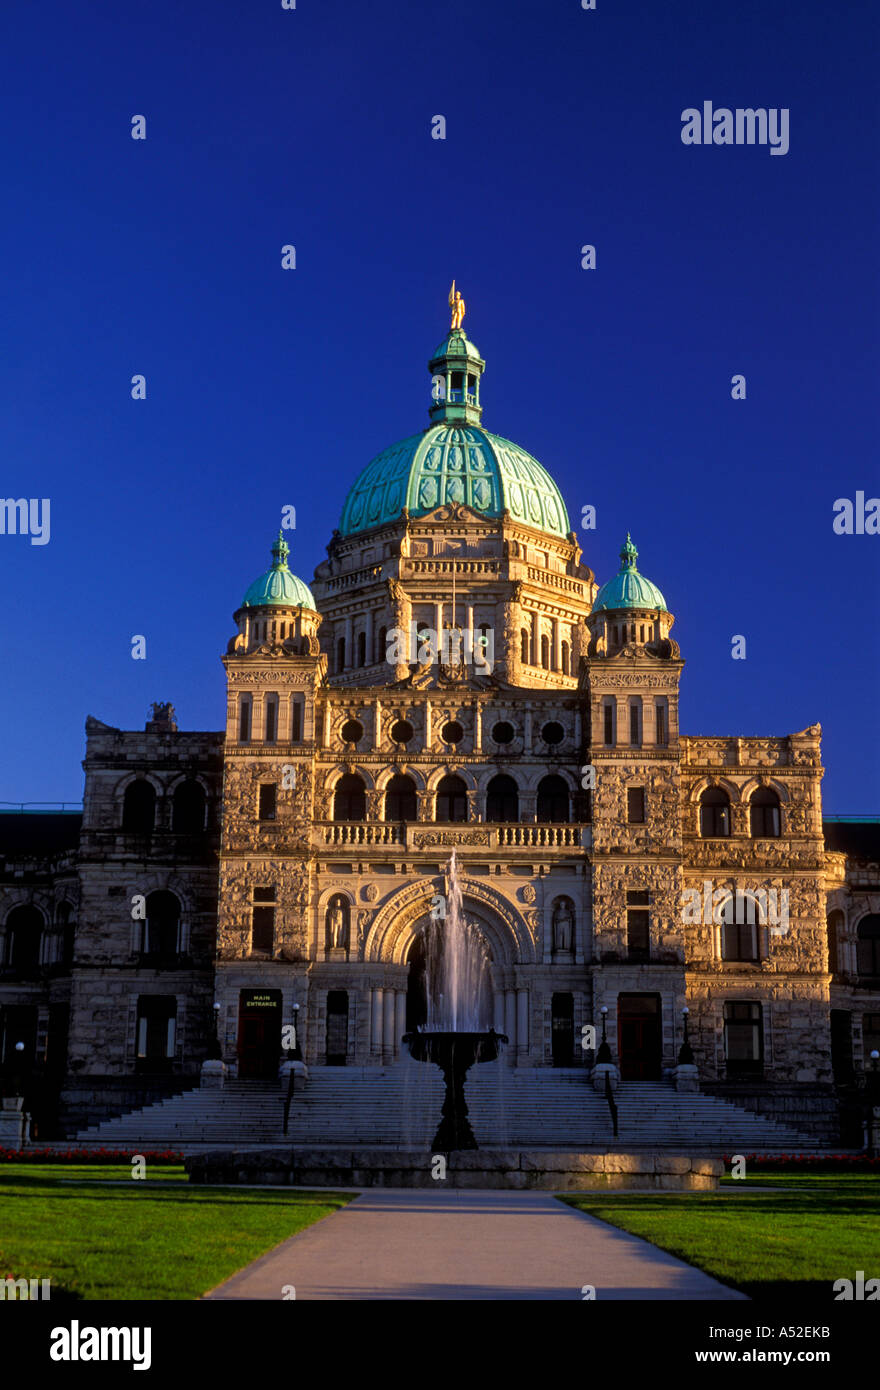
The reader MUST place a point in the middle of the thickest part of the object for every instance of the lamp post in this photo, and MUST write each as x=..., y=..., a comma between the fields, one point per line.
x=685, y=1052
x=215, y=1051
x=604, y=1053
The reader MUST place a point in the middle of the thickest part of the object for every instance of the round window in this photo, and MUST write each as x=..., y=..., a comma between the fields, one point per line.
x=401, y=731
x=553, y=733
x=452, y=732
x=503, y=732
x=352, y=731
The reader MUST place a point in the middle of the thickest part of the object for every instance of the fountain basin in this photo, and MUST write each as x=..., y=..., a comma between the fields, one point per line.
x=454, y=1053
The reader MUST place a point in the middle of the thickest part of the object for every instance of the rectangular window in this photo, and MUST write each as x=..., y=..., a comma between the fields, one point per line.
x=638, y=926
x=263, y=929
x=271, y=708
x=635, y=805
x=268, y=800
x=244, y=719
x=608, y=714
x=661, y=716
x=296, y=719
x=743, y=1039
x=156, y=1026
x=635, y=723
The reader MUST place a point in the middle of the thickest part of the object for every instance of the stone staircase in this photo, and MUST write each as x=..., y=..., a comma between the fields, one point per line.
x=400, y=1105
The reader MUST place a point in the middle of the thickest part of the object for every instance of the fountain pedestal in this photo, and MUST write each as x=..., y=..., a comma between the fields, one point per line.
x=454, y=1054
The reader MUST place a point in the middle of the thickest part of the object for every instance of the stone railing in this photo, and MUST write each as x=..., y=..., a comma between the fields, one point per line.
x=417, y=835
x=361, y=833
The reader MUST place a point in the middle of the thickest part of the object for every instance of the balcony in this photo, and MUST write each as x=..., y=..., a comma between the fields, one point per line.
x=419, y=835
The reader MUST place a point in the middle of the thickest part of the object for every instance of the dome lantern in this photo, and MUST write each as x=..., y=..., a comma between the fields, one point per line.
x=456, y=368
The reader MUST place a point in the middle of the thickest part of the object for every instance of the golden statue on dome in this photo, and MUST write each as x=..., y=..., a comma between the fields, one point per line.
x=456, y=304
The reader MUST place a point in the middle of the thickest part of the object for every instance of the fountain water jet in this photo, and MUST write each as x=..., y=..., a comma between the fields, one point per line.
x=458, y=995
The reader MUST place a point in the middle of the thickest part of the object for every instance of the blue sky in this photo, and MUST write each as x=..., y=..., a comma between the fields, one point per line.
x=265, y=387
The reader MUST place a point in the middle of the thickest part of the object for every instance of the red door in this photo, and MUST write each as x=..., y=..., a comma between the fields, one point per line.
x=259, y=1033
x=639, y=1040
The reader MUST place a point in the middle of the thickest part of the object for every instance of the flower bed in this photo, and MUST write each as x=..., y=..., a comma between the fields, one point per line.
x=88, y=1155
x=810, y=1163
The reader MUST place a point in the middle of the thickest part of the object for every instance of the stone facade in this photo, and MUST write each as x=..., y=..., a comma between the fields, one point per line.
x=279, y=874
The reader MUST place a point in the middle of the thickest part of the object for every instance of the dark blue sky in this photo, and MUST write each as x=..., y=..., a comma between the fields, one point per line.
x=266, y=387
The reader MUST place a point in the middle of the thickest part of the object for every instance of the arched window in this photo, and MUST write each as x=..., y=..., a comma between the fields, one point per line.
x=381, y=645
x=524, y=646
x=340, y=656
x=764, y=814
x=349, y=798
x=553, y=800
x=162, y=927
x=400, y=799
x=714, y=813
x=835, y=929
x=362, y=649
x=139, y=808
x=566, y=659
x=635, y=722
x=868, y=947
x=502, y=799
x=24, y=929
x=545, y=652
x=188, y=811
x=451, y=800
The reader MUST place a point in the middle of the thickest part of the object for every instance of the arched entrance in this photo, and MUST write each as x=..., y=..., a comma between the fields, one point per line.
x=429, y=941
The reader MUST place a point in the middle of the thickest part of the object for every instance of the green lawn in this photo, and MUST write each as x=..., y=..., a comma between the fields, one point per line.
x=97, y=1234
x=779, y=1243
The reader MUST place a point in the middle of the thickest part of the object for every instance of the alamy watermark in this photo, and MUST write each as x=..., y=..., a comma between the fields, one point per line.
x=452, y=646
x=745, y=125
x=724, y=906
x=21, y=516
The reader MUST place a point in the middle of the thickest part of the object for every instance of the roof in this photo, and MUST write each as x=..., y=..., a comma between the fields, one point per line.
x=455, y=463
x=279, y=586
x=628, y=588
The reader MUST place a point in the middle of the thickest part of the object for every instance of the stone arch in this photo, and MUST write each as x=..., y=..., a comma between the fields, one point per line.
x=23, y=897
x=393, y=928
x=342, y=770
x=704, y=783
x=450, y=770
x=401, y=770
x=755, y=784
x=122, y=786
x=535, y=775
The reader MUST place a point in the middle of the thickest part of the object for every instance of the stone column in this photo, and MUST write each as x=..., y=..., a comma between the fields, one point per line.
x=498, y=1002
x=425, y=805
x=478, y=727
x=555, y=654
x=377, y=724
x=399, y=1020
x=527, y=732
x=522, y=1027
x=369, y=636
x=349, y=643
x=427, y=747
x=376, y=1031
x=388, y=1009
x=473, y=805
x=510, y=1023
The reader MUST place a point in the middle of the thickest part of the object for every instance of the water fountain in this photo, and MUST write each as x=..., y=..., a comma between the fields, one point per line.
x=456, y=1034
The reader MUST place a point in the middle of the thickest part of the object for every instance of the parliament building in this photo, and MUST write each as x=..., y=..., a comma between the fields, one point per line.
x=453, y=678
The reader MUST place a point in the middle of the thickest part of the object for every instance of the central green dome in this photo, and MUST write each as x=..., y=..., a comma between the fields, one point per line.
x=455, y=463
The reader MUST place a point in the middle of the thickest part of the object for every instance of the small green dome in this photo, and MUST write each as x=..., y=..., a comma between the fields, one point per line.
x=455, y=463
x=457, y=344
x=628, y=588
x=278, y=585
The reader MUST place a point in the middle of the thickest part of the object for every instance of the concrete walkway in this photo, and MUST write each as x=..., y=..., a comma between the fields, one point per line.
x=396, y=1244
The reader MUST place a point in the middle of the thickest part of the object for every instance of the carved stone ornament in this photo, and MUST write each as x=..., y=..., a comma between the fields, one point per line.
x=527, y=893
x=422, y=839
x=370, y=892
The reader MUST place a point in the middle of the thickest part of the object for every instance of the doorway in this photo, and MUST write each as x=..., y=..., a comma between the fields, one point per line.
x=337, y=1027
x=639, y=1037
x=562, y=1029
x=259, y=1033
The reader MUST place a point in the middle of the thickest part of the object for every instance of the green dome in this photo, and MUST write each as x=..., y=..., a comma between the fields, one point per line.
x=455, y=463
x=278, y=585
x=628, y=588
